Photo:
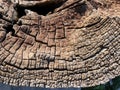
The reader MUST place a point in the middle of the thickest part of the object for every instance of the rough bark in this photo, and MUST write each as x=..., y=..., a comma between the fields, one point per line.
x=68, y=43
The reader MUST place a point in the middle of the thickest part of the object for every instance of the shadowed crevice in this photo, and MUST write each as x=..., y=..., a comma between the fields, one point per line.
x=39, y=9
x=81, y=9
x=9, y=28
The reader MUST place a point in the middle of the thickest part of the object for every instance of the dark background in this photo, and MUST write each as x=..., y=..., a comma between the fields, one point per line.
x=113, y=84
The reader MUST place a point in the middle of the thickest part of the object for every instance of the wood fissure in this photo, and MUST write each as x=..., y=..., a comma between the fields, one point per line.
x=75, y=43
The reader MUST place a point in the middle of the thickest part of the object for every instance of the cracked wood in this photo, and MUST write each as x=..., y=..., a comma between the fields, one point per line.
x=71, y=44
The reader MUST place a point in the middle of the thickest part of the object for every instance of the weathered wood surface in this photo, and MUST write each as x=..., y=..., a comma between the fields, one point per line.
x=63, y=43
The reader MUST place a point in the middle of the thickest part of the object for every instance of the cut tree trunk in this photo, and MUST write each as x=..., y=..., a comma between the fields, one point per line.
x=59, y=43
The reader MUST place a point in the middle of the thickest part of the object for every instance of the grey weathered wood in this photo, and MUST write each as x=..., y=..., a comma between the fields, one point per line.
x=76, y=44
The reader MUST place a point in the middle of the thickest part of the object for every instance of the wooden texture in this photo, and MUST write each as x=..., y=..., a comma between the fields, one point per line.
x=74, y=44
